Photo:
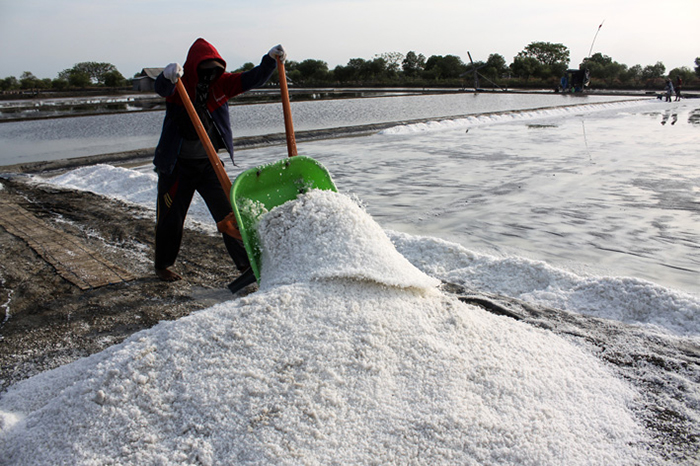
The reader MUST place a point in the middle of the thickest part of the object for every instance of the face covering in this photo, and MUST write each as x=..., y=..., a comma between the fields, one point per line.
x=208, y=75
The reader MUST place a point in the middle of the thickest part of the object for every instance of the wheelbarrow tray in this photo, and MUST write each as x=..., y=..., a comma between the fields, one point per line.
x=260, y=189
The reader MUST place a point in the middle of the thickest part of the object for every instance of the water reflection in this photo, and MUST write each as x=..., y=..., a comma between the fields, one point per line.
x=694, y=117
x=667, y=114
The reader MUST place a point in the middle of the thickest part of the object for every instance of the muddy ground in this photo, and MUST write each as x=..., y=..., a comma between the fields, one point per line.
x=49, y=322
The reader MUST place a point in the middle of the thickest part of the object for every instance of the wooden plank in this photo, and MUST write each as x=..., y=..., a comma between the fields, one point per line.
x=72, y=258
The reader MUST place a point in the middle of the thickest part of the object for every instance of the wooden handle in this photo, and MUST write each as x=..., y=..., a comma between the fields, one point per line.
x=227, y=225
x=286, y=108
x=204, y=137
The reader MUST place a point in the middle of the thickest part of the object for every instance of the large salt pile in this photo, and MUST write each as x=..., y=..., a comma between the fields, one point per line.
x=351, y=368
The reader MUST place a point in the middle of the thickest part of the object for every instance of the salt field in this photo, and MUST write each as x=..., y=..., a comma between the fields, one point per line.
x=589, y=209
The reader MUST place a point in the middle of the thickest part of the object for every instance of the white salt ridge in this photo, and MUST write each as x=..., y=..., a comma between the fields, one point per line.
x=129, y=186
x=625, y=299
x=324, y=235
x=508, y=117
x=326, y=372
x=116, y=182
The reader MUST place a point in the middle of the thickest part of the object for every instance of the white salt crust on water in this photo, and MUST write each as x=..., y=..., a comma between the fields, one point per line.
x=332, y=370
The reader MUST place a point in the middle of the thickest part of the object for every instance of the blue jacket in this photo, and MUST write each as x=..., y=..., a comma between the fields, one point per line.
x=224, y=88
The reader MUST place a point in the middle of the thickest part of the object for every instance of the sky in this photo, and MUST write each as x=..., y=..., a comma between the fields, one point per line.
x=48, y=36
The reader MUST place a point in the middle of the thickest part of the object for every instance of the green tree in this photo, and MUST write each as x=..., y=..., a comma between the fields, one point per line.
x=526, y=67
x=547, y=53
x=393, y=62
x=554, y=58
x=95, y=72
x=633, y=75
x=311, y=70
x=75, y=78
x=697, y=67
x=345, y=74
x=413, y=64
x=114, y=79
x=359, y=69
x=448, y=67
x=376, y=69
x=651, y=72
x=604, y=68
x=495, y=66
x=431, y=70
x=9, y=84
x=684, y=72
x=356, y=68
x=28, y=81
x=59, y=84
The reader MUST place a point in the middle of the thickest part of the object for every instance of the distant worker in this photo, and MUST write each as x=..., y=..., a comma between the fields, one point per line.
x=679, y=83
x=668, y=89
x=180, y=159
x=564, y=83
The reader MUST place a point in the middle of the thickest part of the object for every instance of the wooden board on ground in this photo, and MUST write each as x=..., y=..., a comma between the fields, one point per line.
x=72, y=258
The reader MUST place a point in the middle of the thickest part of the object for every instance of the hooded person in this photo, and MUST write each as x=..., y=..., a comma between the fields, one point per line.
x=180, y=158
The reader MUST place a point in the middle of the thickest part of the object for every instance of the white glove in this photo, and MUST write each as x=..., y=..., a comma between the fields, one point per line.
x=173, y=72
x=277, y=52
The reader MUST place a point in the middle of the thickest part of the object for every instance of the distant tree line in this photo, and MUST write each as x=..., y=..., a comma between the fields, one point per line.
x=539, y=64
x=82, y=75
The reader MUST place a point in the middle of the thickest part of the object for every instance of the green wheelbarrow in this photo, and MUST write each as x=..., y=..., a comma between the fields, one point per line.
x=260, y=189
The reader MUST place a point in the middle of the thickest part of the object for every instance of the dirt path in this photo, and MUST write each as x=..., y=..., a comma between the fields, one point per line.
x=47, y=321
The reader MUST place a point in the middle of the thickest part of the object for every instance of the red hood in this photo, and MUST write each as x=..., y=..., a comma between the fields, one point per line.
x=201, y=50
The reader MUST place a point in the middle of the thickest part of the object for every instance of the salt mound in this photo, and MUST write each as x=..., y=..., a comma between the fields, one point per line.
x=325, y=235
x=336, y=367
x=327, y=373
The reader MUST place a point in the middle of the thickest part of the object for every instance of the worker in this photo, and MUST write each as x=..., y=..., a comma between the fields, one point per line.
x=180, y=158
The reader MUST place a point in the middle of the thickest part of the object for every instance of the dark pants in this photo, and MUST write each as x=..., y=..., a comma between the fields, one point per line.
x=175, y=192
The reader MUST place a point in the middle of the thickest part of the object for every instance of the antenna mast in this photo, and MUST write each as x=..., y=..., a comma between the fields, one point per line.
x=594, y=38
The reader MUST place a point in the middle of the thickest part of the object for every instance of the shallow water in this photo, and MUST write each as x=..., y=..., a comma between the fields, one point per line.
x=612, y=192
x=39, y=140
